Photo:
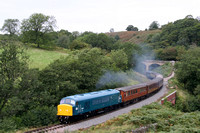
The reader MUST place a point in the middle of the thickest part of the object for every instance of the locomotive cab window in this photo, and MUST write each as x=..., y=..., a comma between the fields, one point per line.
x=67, y=101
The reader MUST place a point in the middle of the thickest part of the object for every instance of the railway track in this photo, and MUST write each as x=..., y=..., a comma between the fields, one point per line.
x=47, y=128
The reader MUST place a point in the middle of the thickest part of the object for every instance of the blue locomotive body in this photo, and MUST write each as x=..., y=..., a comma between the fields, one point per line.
x=88, y=102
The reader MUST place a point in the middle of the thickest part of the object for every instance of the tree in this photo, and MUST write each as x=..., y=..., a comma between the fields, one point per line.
x=36, y=27
x=11, y=26
x=117, y=37
x=13, y=65
x=132, y=51
x=188, y=70
x=120, y=59
x=63, y=41
x=154, y=25
x=77, y=44
x=131, y=28
x=98, y=40
x=112, y=30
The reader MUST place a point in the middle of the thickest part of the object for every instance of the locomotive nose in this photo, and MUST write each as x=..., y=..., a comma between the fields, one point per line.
x=64, y=110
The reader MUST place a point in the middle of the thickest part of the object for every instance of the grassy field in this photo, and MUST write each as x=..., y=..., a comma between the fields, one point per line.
x=39, y=58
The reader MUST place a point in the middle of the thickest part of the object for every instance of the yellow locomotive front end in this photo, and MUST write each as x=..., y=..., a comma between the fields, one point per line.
x=64, y=110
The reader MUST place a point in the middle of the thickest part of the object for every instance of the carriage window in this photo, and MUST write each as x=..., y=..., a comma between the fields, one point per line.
x=129, y=93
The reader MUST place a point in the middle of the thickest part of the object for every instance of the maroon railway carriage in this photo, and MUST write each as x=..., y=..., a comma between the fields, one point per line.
x=154, y=85
x=132, y=93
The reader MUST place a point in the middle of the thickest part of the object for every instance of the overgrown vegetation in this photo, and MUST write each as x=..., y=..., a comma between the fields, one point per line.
x=167, y=119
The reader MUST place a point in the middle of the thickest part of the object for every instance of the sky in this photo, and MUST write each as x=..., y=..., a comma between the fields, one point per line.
x=100, y=16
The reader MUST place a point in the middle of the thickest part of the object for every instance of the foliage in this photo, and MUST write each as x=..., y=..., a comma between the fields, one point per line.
x=120, y=59
x=132, y=51
x=7, y=124
x=98, y=40
x=131, y=28
x=77, y=44
x=167, y=120
x=183, y=32
x=154, y=25
x=11, y=26
x=13, y=65
x=165, y=69
x=170, y=53
x=117, y=37
x=188, y=71
x=74, y=74
x=63, y=41
x=40, y=116
x=35, y=28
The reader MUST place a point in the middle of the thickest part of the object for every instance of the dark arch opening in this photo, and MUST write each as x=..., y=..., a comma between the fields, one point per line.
x=153, y=66
x=141, y=68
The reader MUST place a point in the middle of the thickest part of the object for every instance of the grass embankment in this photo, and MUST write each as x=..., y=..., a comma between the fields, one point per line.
x=167, y=119
x=39, y=58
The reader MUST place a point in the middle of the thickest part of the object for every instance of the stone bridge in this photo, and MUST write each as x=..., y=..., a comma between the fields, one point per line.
x=150, y=64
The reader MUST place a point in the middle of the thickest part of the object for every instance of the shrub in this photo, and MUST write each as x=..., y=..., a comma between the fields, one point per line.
x=7, y=124
x=40, y=116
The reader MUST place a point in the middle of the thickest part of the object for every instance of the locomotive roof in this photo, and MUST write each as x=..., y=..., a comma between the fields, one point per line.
x=132, y=87
x=91, y=95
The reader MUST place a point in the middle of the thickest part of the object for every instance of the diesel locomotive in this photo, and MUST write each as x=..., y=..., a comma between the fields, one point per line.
x=73, y=107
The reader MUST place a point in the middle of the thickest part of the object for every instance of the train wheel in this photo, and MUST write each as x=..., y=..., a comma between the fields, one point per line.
x=64, y=120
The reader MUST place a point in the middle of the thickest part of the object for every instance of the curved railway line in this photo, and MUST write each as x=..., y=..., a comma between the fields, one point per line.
x=103, y=116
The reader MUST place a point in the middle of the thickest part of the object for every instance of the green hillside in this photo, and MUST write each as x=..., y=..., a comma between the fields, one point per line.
x=136, y=37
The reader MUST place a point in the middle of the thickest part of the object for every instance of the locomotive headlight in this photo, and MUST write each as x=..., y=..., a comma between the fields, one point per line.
x=76, y=108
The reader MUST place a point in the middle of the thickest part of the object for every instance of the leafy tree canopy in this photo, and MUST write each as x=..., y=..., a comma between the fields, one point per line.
x=11, y=26
x=36, y=27
x=131, y=28
x=154, y=25
x=13, y=65
x=188, y=70
x=98, y=40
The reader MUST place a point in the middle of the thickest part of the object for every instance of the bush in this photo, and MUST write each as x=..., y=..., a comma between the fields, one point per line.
x=7, y=124
x=40, y=116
